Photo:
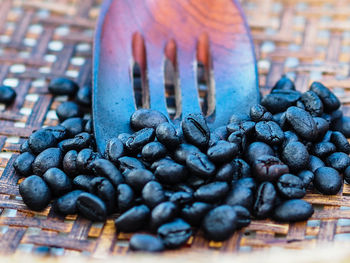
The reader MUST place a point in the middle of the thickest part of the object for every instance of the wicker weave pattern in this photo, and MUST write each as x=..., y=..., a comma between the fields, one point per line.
x=42, y=39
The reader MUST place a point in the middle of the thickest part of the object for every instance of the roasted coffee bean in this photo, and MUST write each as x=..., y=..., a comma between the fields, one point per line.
x=322, y=127
x=245, y=183
x=338, y=160
x=146, y=118
x=63, y=86
x=225, y=173
x=280, y=100
x=58, y=131
x=181, y=198
x=91, y=207
x=243, y=216
x=23, y=163
x=323, y=149
x=138, y=178
x=79, y=142
x=35, y=193
x=269, y=132
x=125, y=197
x=268, y=168
x=41, y=140
x=51, y=157
x=256, y=150
x=127, y=164
x=295, y=155
x=114, y=149
x=343, y=125
x=103, y=188
x=69, y=163
x=195, y=130
x=347, y=175
x=212, y=192
x=195, y=212
x=222, y=151
x=315, y=163
x=259, y=113
x=153, y=151
x=166, y=134
x=105, y=168
x=146, y=243
x=290, y=186
x=289, y=136
x=306, y=176
x=183, y=151
x=164, y=161
x=133, y=219
x=220, y=223
x=82, y=182
x=330, y=101
x=25, y=147
x=239, y=117
x=7, y=94
x=292, y=211
x=84, y=96
x=242, y=196
x=277, y=117
x=214, y=138
x=238, y=138
x=199, y=164
x=58, y=181
x=153, y=194
x=222, y=132
x=67, y=204
x=139, y=139
x=327, y=137
x=313, y=103
x=163, y=213
x=340, y=142
x=74, y=126
x=284, y=83
x=265, y=200
x=84, y=160
x=302, y=123
x=327, y=180
x=68, y=109
x=123, y=137
x=175, y=234
x=171, y=173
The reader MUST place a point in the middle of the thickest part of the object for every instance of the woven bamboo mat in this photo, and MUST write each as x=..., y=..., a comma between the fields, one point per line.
x=41, y=39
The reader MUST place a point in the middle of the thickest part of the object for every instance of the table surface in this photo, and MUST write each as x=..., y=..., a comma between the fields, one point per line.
x=42, y=39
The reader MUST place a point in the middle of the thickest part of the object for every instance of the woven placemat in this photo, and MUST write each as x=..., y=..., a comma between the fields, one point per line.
x=42, y=39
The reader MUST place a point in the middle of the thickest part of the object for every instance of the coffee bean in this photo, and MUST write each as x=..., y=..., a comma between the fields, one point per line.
x=68, y=109
x=69, y=163
x=293, y=210
x=114, y=149
x=195, y=212
x=259, y=113
x=63, y=86
x=41, y=140
x=175, y=234
x=245, y=183
x=105, y=168
x=133, y=219
x=153, y=194
x=313, y=103
x=167, y=135
x=222, y=133
x=347, y=175
x=82, y=182
x=163, y=213
x=146, y=118
x=225, y=173
x=340, y=142
x=322, y=127
x=243, y=216
x=35, y=193
x=51, y=157
x=327, y=180
x=269, y=132
x=58, y=181
x=222, y=151
x=183, y=151
x=302, y=122
x=84, y=96
x=238, y=138
x=123, y=137
x=25, y=147
x=67, y=204
x=265, y=200
x=323, y=149
x=258, y=149
x=330, y=101
x=58, y=131
x=284, y=83
x=306, y=176
x=343, y=125
x=125, y=197
x=280, y=100
x=138, y=178
x=220, y=223
x=139, y=139
x=127, y=164
x=242, y=196
x=289, y=136
x=199, y=164
x=195, y=130
x=153, y=151
x=268, y=168
x=91, y=207
x=338, y=160
x=164, y=161
x=85, y=159
x=23, y=164
x=315, y=163
x=79, y=142
x=103, y=188
x=74, y=126
x=295, y=155
x=212, y=192
x=7, y=94
x=146, y=243
x=181, y=198
x=290, y=186
x=171, y=173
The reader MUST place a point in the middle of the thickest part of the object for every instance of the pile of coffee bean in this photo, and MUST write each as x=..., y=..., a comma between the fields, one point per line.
x=171, y=180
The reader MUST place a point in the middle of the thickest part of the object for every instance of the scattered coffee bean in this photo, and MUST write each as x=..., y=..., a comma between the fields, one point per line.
x=340, y=142
x=153, y=194
x=211, y=193
x=330, y=101
x=82, y=182
x=175, y=234
x=153, y=151
x=295, y=156
x=195, y=212
x=171, y=173
x=195, y=130
x=58, y=181
x=67, y=204
x=138, y=178
x=23, y=164
x=284, y=83
x=243, y=216
x=68, y=110
x=290, y=186
x=114, y=149
x=327, y=180
x=69, y=163
x=84, y=96
x=91, y=207
x=242, y=196
x=199, y=164
x=222, y=151
x=302, y=122
x=49, y=158
x=105, y=168
x=293, y=210
x=259, y=113
x=133, y=219
x=125, y=197
x=307, y=177
x=338, y=160
x=269, y=132
x=41, y=140
x=280, y=100
x=145, y=118
x=167, y=135
x=139, y=139
x=313, y=103
x=63, y=86
x=183, y=151
x=265, y=200
x=7, y=94
x=74, y=126
x=146, y=243
x=79, y=142
x=103, y=188
x=315, y=163
x=269, y=168
x=85, y=158
x=163, y=213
